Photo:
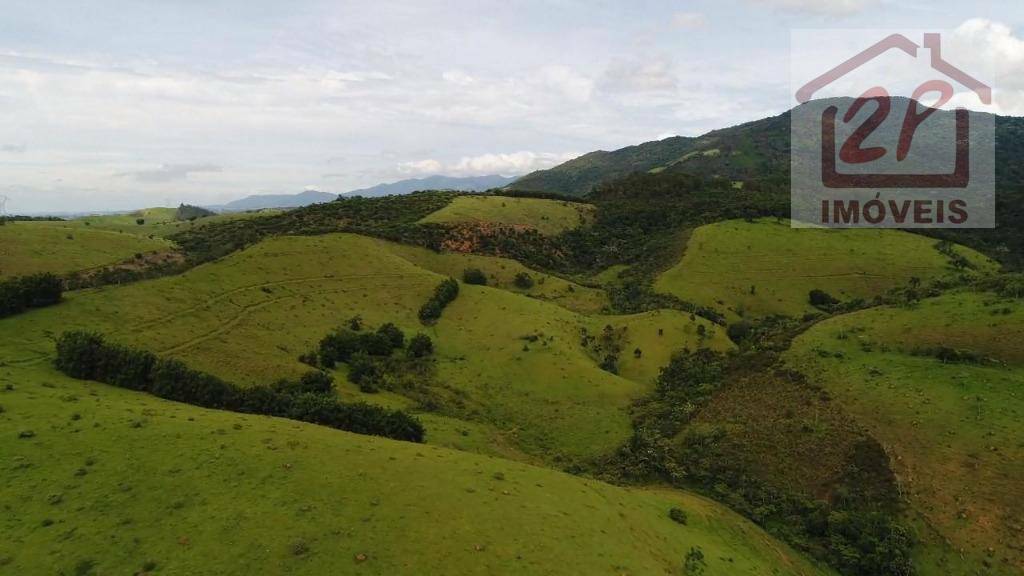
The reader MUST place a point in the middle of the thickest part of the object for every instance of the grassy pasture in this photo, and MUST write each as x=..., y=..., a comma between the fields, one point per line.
x=953, y=430
x=117, y=482
x=156, y=221
x=501, y=273
x=546, y=216
x=765, y=267
x=248, y=317
x=30, y=247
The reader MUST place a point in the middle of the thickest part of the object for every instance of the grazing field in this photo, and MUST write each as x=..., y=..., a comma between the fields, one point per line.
x=100, y=480
x=546, y=216
x=518, y=364
x=31, y=247
x=953, y=428
x=765, y=267
x=501, y=273
x=155, y=221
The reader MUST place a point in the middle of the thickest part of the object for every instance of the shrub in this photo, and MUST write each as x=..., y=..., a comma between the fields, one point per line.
x=420, y=346
x=35, y=291
x=363, y=370
x=739, y=331
x=393, y=334
x=678, y=515
x=140, y=221
x=693, y=562
x=312, y=382
x=474, y=276
x=443, y=295
x=86, y=355
x=524, y=281
x=821, y=299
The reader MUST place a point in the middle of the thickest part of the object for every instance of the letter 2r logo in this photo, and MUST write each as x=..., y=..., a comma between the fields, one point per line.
x=884, y=160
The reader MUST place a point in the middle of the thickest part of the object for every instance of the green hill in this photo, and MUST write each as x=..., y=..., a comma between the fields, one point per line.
x=99, y=480
x=515, y=364
x=939, y=384
x=546, y=216
x=765, y=267
x=60, y=247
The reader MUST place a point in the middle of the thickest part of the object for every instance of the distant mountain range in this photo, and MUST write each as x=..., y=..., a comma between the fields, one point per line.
x=261, y=201
x=468, y=183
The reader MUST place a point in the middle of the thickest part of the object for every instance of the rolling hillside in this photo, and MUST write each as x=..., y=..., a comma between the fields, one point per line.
x=951, y=426
x=64, y=247
x=515, y=363
x=548, y=217
x=765, y=267
x=111, y=481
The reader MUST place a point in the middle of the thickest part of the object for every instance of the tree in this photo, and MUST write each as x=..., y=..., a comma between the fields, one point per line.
x=524, y=281
x=362, y=370
x=393, y=334
x=474, y=276
x=420, y=346
x=140, y=221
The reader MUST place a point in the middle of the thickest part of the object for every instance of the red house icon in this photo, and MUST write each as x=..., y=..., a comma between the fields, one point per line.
x=852, y=151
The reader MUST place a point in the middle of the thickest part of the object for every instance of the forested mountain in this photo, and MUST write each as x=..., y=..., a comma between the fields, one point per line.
x=437, y=182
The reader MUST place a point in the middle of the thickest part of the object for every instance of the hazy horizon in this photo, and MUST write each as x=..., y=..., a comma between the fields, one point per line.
x=118, y=106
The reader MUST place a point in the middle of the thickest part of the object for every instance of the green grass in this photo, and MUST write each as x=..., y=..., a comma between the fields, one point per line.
x=546, y=216
x=31, y=247
x=501, y=273
x=248, y=317
x=156, y=221
x=953, y=431
x=113, y=480
x=765, y=267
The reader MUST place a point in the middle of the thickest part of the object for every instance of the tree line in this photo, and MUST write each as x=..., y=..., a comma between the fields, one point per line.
x=88, y=356
x=35, y=291
x=443, y=295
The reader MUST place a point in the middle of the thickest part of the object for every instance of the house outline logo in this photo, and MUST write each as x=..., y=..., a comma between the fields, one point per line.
x=852, y=151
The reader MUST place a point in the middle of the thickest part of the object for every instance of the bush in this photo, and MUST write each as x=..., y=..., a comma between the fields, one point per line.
x=739, y=331
x=362, y=370
x=474, y=276
x=140, y=221
x=524, y=281
x=443, y=295
x=693, y=562
x=821, y=299
x=420, y=346
x=86, y=355
x=35, y=291
x=678, y=515
x=393, y=334
x=312, y=382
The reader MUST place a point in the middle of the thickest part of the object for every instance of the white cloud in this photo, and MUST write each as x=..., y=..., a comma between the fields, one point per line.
x=986, y=45
x=428, y=166
x=647, y=75
x=506, y=164
x=171, y=172
x=689, y=20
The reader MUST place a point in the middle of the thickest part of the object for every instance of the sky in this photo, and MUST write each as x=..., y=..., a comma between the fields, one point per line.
x=116, y=105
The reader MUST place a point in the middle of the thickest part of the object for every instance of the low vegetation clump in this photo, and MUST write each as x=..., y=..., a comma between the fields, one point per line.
x=88, y=356
x=368, y=354
x=444, y=294
x=34, y=291
x=821, y=299
x=189, y=212
x=474, y=276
